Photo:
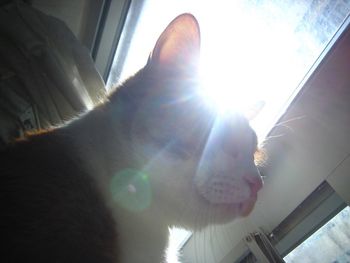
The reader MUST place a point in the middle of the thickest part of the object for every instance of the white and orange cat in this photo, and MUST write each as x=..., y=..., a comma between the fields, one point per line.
x=106, y=187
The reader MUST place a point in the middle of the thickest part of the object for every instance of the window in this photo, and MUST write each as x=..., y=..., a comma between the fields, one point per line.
x=330, y=243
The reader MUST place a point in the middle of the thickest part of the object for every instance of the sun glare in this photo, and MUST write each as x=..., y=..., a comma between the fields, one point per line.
x=250, y=52
x=243, y=65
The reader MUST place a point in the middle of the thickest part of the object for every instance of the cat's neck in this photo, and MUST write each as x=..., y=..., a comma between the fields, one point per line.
x=141, y=241
x=143, y=236
x=98, y=139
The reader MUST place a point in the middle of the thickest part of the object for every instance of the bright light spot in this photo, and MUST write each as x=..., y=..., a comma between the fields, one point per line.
x=131, y=190
x=178, y=237
x=255, y=61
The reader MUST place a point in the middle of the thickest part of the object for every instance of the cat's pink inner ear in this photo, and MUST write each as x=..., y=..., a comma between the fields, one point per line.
x=179, y=44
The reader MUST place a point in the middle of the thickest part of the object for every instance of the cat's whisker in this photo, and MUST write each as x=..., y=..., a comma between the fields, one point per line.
x=283, y=124
x=196, y=241
x=270, y=137
x=204, y=240
x=290, y=120
x=212, y=235
x=222, y=237
x=288, y=128
x=280, y=124
x=228, y=236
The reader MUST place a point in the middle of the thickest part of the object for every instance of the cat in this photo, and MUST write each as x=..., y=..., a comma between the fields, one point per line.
x=106, y=186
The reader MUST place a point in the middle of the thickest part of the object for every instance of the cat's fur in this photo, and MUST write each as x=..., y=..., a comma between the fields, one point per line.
x=106, y=187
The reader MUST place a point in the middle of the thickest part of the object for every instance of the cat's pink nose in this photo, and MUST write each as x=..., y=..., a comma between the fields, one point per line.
x=255, y=182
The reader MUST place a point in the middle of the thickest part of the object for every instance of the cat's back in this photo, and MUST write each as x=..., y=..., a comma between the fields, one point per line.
x=51, y=210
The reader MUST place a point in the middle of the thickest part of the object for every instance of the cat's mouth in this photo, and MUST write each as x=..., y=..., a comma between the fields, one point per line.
x=229, y=211
x=236, y=194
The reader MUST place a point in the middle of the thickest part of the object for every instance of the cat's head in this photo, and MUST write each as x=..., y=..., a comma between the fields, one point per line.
x=200, y=164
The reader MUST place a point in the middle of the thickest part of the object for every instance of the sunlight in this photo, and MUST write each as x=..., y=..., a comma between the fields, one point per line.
x=179, y=237
x=254, y=63
x=225, y=69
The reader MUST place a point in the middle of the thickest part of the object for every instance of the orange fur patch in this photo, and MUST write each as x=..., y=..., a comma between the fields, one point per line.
x=260, y=156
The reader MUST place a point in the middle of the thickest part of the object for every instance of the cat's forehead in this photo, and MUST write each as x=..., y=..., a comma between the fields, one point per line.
x=235, y=128
x=168, y=87
x=176, y=104
x=173, y=95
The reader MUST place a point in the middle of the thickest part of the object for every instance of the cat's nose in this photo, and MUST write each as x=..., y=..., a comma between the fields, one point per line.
x=255, y=182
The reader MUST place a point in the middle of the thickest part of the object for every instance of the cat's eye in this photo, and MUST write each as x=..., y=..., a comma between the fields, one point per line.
x=180, y=149
x=234, y=151
x=173, y=146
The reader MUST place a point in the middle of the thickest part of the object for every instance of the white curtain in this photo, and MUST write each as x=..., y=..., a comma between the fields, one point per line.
x=47, y=76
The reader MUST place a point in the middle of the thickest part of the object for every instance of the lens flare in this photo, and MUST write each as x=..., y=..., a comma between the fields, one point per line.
x=131, y=190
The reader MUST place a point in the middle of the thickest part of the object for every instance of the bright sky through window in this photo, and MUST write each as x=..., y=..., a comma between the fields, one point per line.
x=252, y=51
x=333, y=237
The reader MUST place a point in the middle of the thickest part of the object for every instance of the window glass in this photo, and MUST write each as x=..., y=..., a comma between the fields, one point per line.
x=329, y=244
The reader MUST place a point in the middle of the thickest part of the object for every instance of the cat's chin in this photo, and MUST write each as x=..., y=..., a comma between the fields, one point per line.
x=247, y=206
x=222, y=213
x=225, y=207
x=230, y=211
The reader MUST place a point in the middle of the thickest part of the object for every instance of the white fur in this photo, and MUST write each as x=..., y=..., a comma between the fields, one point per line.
x=174, y=184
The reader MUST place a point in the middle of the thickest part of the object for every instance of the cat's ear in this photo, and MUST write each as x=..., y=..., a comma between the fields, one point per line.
x=178, y=46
